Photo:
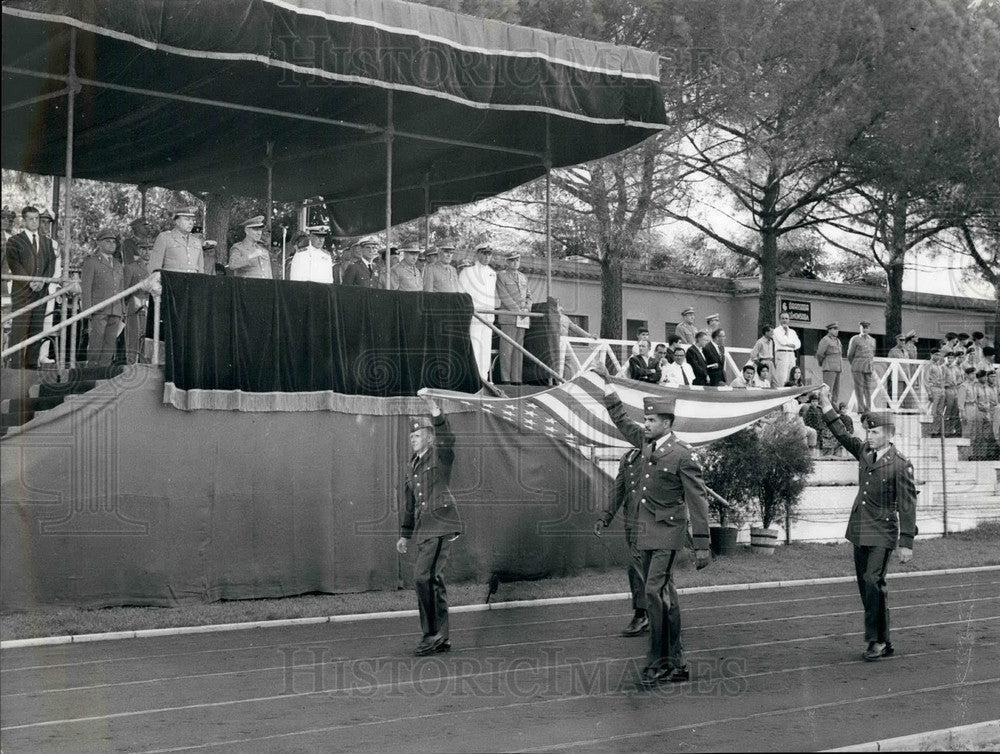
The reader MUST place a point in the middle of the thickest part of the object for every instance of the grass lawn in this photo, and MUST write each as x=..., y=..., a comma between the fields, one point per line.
x=976, y=547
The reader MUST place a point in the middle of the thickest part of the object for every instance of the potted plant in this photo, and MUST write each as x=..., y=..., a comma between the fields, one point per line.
x=727, y=466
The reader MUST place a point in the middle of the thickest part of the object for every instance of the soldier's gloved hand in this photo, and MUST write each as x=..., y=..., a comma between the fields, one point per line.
x=599, y=527
x=401, y=545
x=702, y=558
x=905, y=554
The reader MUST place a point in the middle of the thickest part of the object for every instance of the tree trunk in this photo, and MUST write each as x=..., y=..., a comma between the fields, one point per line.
x=768, y=304
x=894, y=270
x=218, y=210
x=611, y=296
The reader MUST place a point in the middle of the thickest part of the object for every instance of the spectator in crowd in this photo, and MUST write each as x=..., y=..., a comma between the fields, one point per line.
x=406, y=276
x=686, y=329
x=513, y=296
x=763, y=378
x=53, y=313
x=950, y=342
x=480, y=282
x=363, y=272
x=313, y=263
x=28, y=253
x=7, y=217
x=910, y=342
x=678, y=372
x=794, y=377
x=746, y=378
x=101, y=278
x=715, y=357
x=954, y=375
x=712, y=322
x=989, y=357
x=696, y=358
x=638, y=366
x=984, y=438
x=440, y=275
x=812, y=416
x=898, y=351
x=829, y=356
x=966, y=398
x=659, y=359
x=672, y=343
x=178, y=249
x=978, y=344
x=861, y=355
x=793, y=409
x=643, y=334
x=763, y=350
x=248, y=258
x=786, y=343
x=137, y=305
x=935, y=384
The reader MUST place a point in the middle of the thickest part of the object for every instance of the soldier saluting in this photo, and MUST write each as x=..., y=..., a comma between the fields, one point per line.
x=884, y=514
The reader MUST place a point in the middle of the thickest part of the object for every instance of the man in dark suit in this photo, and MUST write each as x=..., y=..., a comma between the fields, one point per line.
x=629, y=469
x=696, y=358
x=667, y=492
x=884, y=513
x=363, y=271
x=431, y=518
x=715, y=358
x=29, y=253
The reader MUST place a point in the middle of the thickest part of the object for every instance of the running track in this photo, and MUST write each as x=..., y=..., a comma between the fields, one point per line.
x=776, y=669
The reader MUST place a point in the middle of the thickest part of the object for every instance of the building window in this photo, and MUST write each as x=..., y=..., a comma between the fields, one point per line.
x=632, y=328
x=580, y=320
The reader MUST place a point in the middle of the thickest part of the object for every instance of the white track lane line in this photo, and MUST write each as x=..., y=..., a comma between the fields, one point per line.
x=459, y=629
x=398, y=684
x=478, y=649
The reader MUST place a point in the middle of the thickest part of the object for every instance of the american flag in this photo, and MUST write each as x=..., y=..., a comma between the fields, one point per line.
x=574, y=411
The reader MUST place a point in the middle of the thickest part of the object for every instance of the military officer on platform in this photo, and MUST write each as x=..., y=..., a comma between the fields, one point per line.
x=248, y=258
x=440, y=275
x=406, y=276
x=629, y=473
x=686, y=329
x=861, y=354
x=313, y=263
x=884, y=515
x=667, y=492
x=431, y=518
x=363, y=272
x=513, y=295
x=829, y=356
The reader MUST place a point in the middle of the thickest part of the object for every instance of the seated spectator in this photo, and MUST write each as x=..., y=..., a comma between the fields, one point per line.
x=679, y=372
x=795, y=378
x=659, y=357
x=746, y=378
x=638, y=367
x=812, y=415
x=763, y=378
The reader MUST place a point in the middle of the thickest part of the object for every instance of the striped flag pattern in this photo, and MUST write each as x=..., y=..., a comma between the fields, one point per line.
x=574, y=411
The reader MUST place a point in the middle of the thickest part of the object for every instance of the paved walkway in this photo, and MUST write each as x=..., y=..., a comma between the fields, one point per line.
x=775, y=669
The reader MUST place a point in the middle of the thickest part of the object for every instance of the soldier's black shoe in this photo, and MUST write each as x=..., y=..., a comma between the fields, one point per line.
x=679, y=675
x=875, y=651
x=888, y=651
x=429, y=645
x=444, y=646
x=653, y=676
x=637, y=626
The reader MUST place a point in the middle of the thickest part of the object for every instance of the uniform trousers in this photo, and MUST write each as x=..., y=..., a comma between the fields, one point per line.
x=482, y=347
x=662, y=609
x=936, y=410
x=870, y=564
x=135, y=329
x=636, y=581
x=511, y=358
x=863, y=390
x=432, y=597
x=102, y=338
x=952, y=417
x=833, y=380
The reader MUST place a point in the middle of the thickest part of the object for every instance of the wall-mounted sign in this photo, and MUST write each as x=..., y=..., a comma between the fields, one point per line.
x=798, y=311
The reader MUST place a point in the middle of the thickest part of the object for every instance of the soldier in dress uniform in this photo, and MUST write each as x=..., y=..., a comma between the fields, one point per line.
x=629, y=470
x=178, y=249
x=406, y=276
x=248, y=258
x=431, y=518
x=313, y=263
x=363, y=272
x=829, y=356
x=667, y=491
x=440, y=275
x=884, y=516
x=513, y=295
x=686, y=329
x=861, y=354
x=101, y=277
x=480, y=281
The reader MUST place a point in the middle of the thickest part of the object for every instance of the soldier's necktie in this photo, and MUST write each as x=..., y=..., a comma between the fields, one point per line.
x=414, y=461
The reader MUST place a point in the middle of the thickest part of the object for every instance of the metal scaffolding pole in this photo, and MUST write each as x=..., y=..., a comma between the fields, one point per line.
x=388, y=187
x=548, y=210
x=427, y=211
x=71, y=86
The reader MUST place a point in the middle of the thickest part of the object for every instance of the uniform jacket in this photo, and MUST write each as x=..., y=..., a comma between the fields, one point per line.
x=512, y=290
x=898, y=352
x=686, y=332
x=173, y=250
x=135, y=272
x=829, y=354
x=102, y=278
x=358, y=273
x=441, y=278
x=715, y=360
x=312, y=264
x=861, y=353
x=935, y=376
x=629, y=473
x=406, y=277
x=697, y=361
x=22, y=259
x=480, y=282
x=428, y=506
x=243, y=266
x=885, y=509
x=667, y=489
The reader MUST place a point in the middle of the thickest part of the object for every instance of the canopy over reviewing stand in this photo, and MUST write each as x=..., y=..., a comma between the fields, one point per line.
x=187, y=94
